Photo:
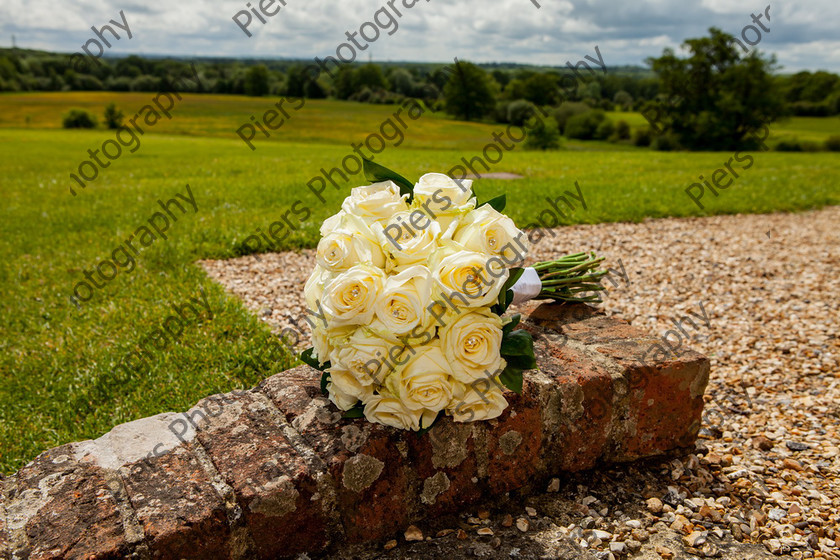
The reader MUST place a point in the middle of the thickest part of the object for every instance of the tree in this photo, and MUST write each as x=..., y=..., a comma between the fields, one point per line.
x=402, y=82
x=113, y=116
x=370, y=76
x=343, y=83
x=79, y=118
x=623, y=100
x=541, y=89
x=714, y=98
x=256, y=81
x=468, y=92
x=543, y=134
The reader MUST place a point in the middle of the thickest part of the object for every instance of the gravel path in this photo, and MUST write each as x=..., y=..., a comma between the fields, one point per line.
x=766, y=470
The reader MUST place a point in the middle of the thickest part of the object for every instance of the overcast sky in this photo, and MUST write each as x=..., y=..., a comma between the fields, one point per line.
x=803, y=34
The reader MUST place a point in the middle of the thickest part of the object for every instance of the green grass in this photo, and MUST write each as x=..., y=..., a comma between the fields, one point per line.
x=815, y=129
x=56, y=360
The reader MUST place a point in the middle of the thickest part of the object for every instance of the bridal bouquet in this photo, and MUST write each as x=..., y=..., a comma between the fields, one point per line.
x=408, y=297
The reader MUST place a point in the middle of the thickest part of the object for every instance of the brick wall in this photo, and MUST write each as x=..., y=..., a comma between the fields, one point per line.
x=276, y=470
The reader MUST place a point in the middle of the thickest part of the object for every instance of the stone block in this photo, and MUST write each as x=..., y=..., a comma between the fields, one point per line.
x=58, y=507
x=277, y=471
x=273, y=484
x=365, y=461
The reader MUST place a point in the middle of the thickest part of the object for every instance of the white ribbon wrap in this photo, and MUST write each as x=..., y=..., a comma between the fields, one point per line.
x=527, y=287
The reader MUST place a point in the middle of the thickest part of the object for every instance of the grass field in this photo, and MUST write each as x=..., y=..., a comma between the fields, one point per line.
x=56, y=362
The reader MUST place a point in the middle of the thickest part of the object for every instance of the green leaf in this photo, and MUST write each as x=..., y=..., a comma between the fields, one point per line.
x=517, y=343
x=511, y=378
x=325, y=379
x=423, y=430
x=376, y=173
x=521, y=362
x=357, y=411
x=497, y=203
x=506, y=294
x=307, y=358
x=514, y=320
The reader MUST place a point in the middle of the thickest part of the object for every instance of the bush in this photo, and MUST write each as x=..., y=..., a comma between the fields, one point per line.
x=113, y=116
x=789, y=145
x=622, y=130
x=79, y=118
x=566, y=111
x=146, y=83
x=810, y=109
x=543, y=134
x=832, y=144
x=665, y=143
x=605, y=130
x=642, y=137
x=519, y=111
x=811, y=146
x=585, y=125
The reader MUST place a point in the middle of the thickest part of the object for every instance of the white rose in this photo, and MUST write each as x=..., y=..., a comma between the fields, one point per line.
x=348, y=299
x=425, y=382
x=375, y=202
x=339, y=399
x=469, y=279
x=388, y=410
x=485, y=230
x=406, y=245
x=368, y=357
x=401, y=307
x=347, y=384
x=476, y=402
x=313, y=290
x=320, y=344
x=352, y=242
x=472, y=343
x=443, y=198
x=332, y=223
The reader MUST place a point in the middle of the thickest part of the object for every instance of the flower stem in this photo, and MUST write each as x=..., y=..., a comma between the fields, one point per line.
x=572, y=278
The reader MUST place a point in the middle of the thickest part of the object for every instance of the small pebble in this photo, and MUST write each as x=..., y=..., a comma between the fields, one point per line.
x=791, y=464
x=461, y=534
x=762, y=442
x=695, y=538
x=554, y=485
x=413, y=534
x=531, y=511
x=390, y=544
x=522, y=524
x=485, y=532
x=633, y=545
x=654, y=505
x=507, y=520
x=776, y=514
x=797, y=446
x=444, y=533
x=664, y=552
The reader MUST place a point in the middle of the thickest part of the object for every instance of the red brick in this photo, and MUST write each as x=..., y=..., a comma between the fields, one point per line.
x=181, y=513
x=444, y=460
x=5, y=551
x=363, y=459
x=665, y=400
x=67, y=508
x=273, y=484
x=580, y=412
x=514, y=441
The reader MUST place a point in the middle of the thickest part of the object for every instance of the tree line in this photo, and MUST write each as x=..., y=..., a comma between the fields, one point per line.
x=702, y=99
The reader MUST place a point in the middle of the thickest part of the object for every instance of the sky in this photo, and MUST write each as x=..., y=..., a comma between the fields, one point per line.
x=802, y=34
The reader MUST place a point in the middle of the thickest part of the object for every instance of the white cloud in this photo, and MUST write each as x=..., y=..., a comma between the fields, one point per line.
x=802, y=35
